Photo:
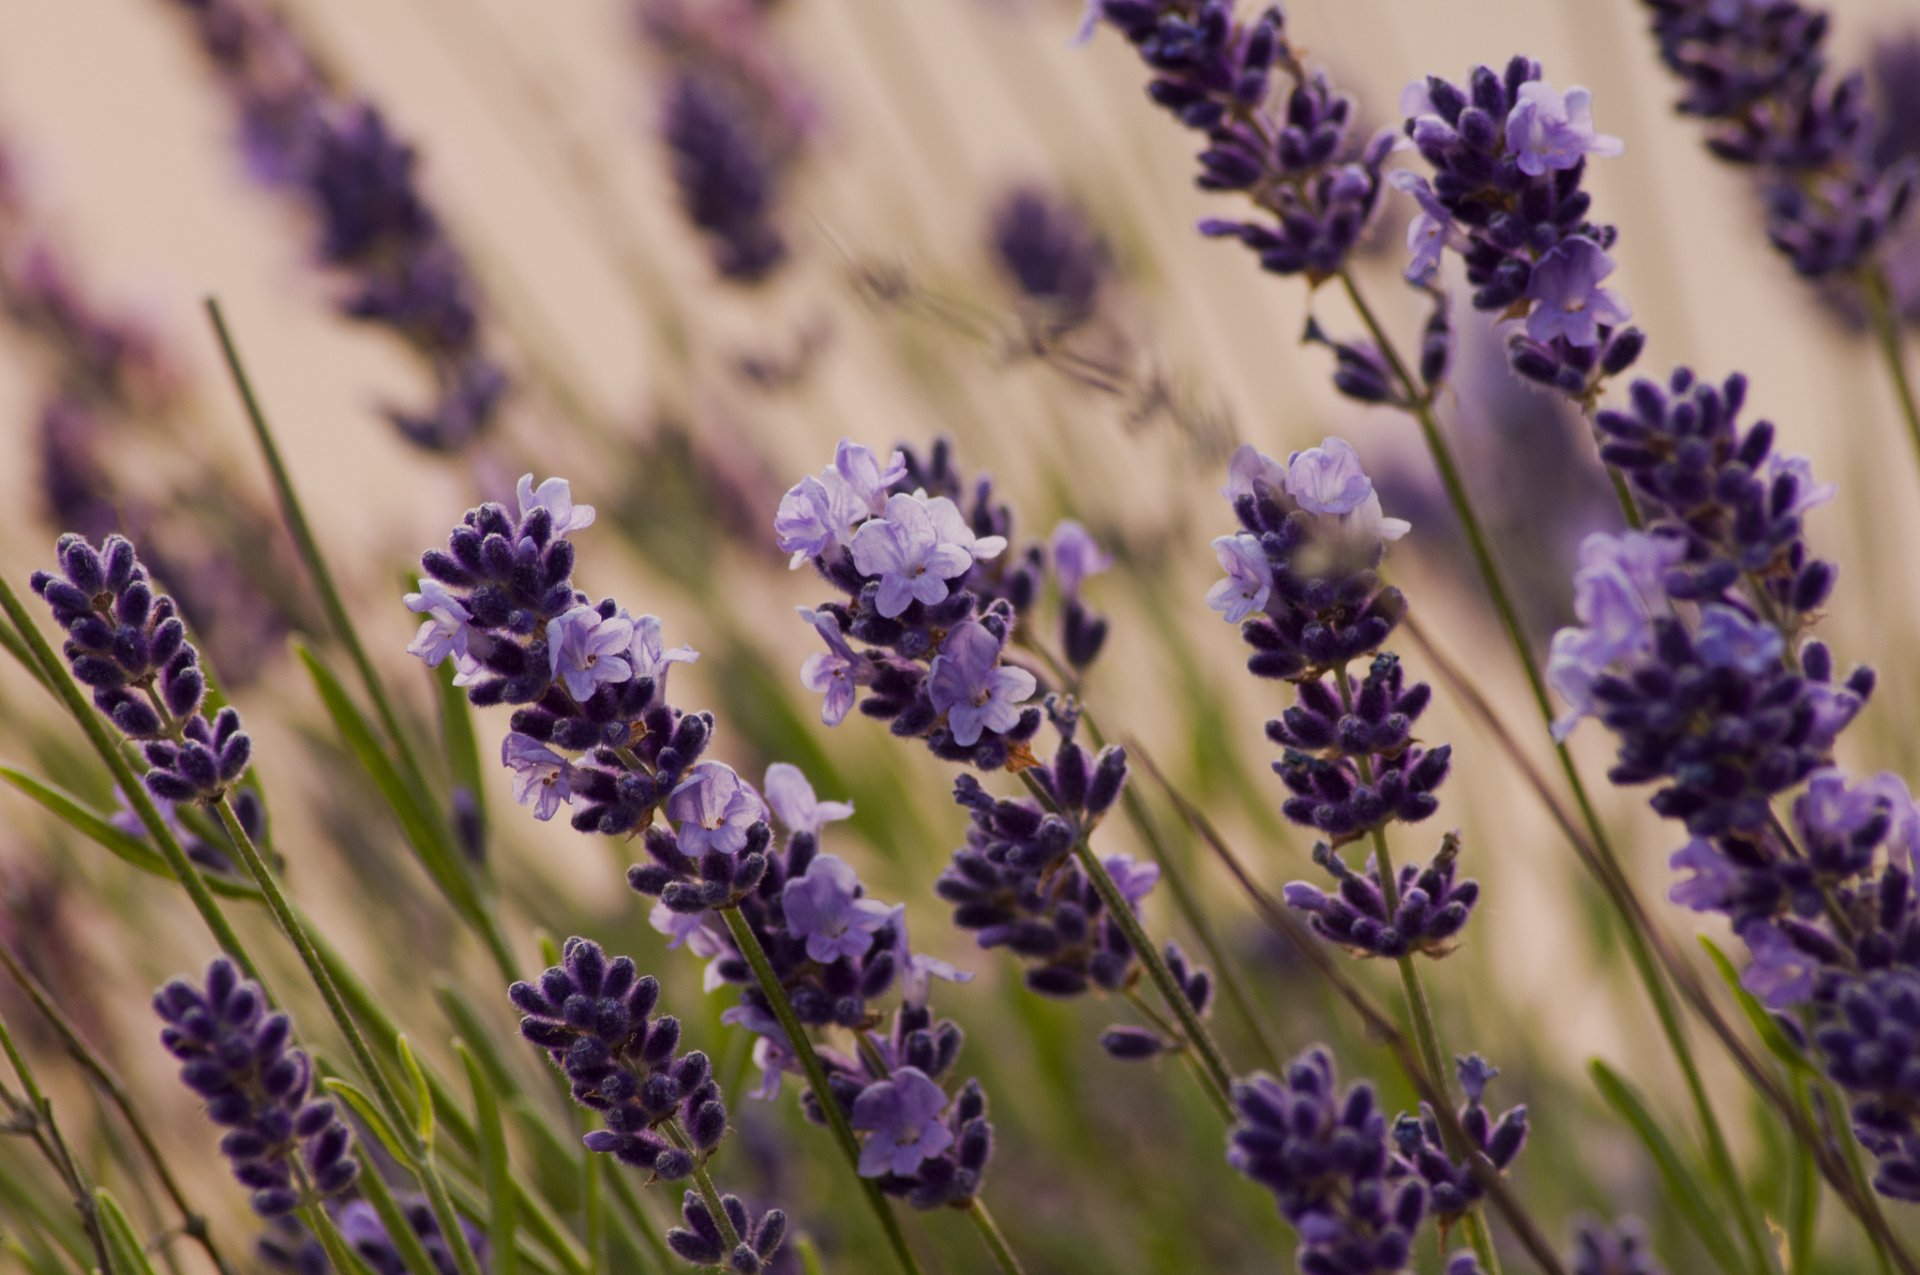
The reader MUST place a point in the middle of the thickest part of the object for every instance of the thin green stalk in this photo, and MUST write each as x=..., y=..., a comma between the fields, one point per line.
x=1719, y=1154
x=413, y=1253
x=341, y=1256
x=193, y=1223
x=990, y=1235
x=629, y=1201
x=486, y=921
x=45, y=1131
x=383, y=1091
x=1886, y=331
x=1216, y=1075
x=816, y=1072
x=596, y=1208
x=703, y=1183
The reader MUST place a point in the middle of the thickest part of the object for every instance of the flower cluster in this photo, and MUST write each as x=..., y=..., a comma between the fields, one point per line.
x=1046, y=249
x=287, y=1147
x=127, y=643
x=1452, y=1188
x=1758, y=75
x=593, y=1017
x=1328, y=1158
x=372, y=223
x=836, y=951
x=1508, y=154
x=734, y=119
x=1432, y=905
x=933, y=595
x=702, y=1242
x=593, y=729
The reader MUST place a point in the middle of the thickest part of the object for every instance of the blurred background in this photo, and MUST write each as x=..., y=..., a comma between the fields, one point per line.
x=919, y=150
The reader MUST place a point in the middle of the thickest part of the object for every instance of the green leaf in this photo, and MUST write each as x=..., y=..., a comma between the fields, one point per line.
x=124, y=1249
x=1682, y=1183
x=496, y=1168
x=121, y=844
x=549, y=950
x=369, y=1111
x=480, y=1037
x=422, y=1094
x=809, y=1256
x=1763, y=1022
x=413, y=1254
x=423, y=829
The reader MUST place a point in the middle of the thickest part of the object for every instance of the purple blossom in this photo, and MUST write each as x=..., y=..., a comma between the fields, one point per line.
x=1548, y=131
x=444, y=632
x=1728, y=639
x=555, y=495
x=816, y=515
x=1617, y=592
x=1076, y=556
x=1781, y=975
x=541, y=777
x=969, y=684
x=713, y=808
x=913, y=555
x=1430, y=232
x=1714, y=878
x=1903, y=836
x=917, y=969
x=585, y=649
x=1249, y=579
x=1570, y=303
x=1808, y=494
x=836, y=671
x=698, y=932
x=1251, y=472
x=794, y=803
x=650, y=656
x=825, y=908
x=1328, y=479
x=1134, y=880
x=861, y=471
x=901, y=1117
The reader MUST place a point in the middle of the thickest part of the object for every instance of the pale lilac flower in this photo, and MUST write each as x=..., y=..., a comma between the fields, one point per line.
x=1328, y=479
x=772, y=1053
x=1569, y=301
x=556, y=497
x=901, y=1117
x=794, y=803
x=1431, y=231
x=1618, y=590
x=969, y=684
x=825, y=908
x=908, y=552
x=1249, y=579
x=1134, y=880
x=1808, y=494
x=1781, y=975
x=1728, y=639
x=1076, y=556
x=954, y=529
x=650, y=656
x=444, y=632
x=1547, y=131
x=1903, y=831
x=1252, y=471
x=585, y=649
x=541, y=777
x=918, y=970
x=1714, y=878
x=815, y=515
x=835, y=671
x=860, y=470
x=698, y=932
x=714, y=807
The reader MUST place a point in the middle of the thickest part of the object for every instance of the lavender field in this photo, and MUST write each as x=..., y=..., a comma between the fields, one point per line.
x=1008, y=636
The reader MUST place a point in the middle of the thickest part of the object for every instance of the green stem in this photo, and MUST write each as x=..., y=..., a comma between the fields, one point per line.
x=991, y=1236
x=629, y=1201
x=1213, y=1064
x=816, y=1073
x=340, y=1255
x=594, y=1177
x=703, y=1183
x=383, y=1091
x=45, y=1131
x=1719, y=1155
x=485, y=920
x=193, y=1223
x=1886, y=330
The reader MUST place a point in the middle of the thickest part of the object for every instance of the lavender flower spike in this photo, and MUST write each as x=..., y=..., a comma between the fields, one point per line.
x=972, y=688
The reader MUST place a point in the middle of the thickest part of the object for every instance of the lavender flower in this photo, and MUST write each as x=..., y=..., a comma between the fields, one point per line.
x=901, y=1117
x=715, y=810
x=914, y=550
x=726, y=178
x=372, y=224
x=794, y=803
x=1046, y=249
x=540, y=775
x=125, y=641
x=823, y=906
x=586, y=650
x=700, y=1241
x=835, y=672
x=969, y=686
x=1620, y=1249
x=1434, y=907
x=1757, y=75
x=235, y=1055
x=1453, y=1189
x=1508, y=155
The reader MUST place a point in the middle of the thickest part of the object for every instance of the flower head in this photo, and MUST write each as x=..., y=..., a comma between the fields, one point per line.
x=1569, y=301
x=1328, y=479
x=1252, y=472
x=912, y=552
x=794, y=803
x=860, y=469
x=1550, y=132
x=555, y=495
x=713, y=808
x=444, y=632
x=540, y=775
x=836, y=671
x=969, y=684
x=825, y=907
x=1249, y=580
x=586, y=649
x=816, y=515
x=901, y=1118
x=1076, y=556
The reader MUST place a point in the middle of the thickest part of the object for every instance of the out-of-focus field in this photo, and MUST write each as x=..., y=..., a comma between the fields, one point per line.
x=535, y=125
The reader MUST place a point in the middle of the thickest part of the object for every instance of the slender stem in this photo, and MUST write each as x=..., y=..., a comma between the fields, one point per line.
x=340, y=1256
x=68, y=691
x=1213, y=1064
x=383, y=1091
x=46, y=1134
x=193, y=1224
x=990, y=1235
x=593, y=1178
x=629, y=1201
x=484, y=919
x=703, y=1183
x=816, y=1072
x=1719, y=1154
x=1886, y=330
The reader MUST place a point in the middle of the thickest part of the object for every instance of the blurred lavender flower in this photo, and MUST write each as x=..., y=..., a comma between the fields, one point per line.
x=1619, y=1249
x=235, y=1055
x=296, y=1252
x=127, y=644
x=1758, y=75
x=334, y=153
x=1046, y=249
